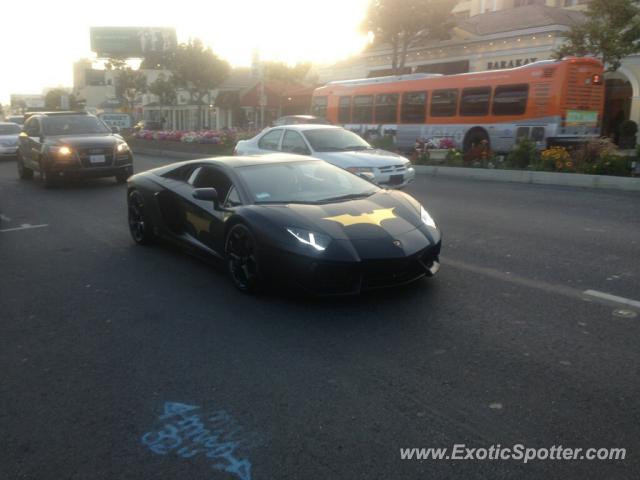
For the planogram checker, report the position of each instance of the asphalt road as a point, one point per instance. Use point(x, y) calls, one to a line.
point(97, 335)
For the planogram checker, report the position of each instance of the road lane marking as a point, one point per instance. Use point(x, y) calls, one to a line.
point(24, 226)
point(592, 295)
point(612, 298)
point(4, 218)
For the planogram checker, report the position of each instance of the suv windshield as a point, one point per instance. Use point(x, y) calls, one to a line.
point(9, 129)
point(303, 182)
point(335, 140)
point(73, 124)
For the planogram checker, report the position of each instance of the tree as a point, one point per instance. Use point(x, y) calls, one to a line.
point(165, 89)
point(610, 32)
point(129, 84)
point(403, 23)
point(198, 70)
point(53, 100)
point(285, 73)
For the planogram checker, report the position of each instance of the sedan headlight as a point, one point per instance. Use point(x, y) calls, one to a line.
point(317, 241)
point(426, 218)
point(122, 148)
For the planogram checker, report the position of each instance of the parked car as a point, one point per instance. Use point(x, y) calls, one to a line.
point(9, 139)
point(19, 119)
point(286, 218)
point(335, 145)
point(299, 120)
point(71, 144)
point(147, 125)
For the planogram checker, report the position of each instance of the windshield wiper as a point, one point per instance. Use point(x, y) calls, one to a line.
point(348, 196)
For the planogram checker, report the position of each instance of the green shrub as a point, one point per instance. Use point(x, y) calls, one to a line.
point(628, 128)
point(523, 155)
point(454, 158)
point(610, 164)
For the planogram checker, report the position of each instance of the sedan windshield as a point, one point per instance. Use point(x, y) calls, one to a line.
point(9, 129)
point(303, 182)
point(335, 140)
point(74, 125)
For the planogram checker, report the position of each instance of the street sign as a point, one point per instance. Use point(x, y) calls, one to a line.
point(121, 120)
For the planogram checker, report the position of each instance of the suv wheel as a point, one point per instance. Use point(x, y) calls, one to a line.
point(123, 175)
point(49, 179)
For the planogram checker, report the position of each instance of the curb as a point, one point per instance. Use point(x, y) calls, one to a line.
point(538, 178)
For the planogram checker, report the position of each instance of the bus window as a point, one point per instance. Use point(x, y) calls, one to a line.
point(522, 132)
point(537, 134)
point(444, 103)
point(510, 99)
point(386, 109)
point(475, 101)
point(414, 107)
point(363, 109)
point(344, 110)
point(319, 107)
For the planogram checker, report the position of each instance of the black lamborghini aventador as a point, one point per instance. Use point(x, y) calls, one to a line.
point(283, 217)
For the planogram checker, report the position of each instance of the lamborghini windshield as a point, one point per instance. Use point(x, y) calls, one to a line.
point(303, 182)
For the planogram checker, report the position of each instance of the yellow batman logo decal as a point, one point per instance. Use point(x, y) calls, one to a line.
point(374, 218)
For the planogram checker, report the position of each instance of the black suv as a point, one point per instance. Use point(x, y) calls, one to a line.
point(71, 144)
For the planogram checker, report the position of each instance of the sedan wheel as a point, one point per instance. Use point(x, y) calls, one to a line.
point(242, 260)
point(140, 228)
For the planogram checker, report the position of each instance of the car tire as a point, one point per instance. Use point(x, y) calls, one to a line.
point(24, 172)
point(140, 226)
point(123, 175)
point(48, 179)
point(241, 257)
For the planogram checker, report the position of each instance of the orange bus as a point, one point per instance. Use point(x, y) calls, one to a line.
point(551, 102)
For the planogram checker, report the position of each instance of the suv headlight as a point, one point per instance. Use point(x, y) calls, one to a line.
point(61, 151)
point(317, 241)
point(426, 218)
point(122, 148)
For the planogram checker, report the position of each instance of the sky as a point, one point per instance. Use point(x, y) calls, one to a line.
point(40, 42)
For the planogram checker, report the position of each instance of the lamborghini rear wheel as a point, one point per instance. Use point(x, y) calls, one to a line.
point(242, 258)
point(139, 224)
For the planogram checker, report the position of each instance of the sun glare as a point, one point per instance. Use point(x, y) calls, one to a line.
point(284, 30)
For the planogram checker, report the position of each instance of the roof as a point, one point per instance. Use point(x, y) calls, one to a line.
point(521, 18)
point(307, 126)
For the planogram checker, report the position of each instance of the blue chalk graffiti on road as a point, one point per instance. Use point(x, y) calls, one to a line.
point(183, 433)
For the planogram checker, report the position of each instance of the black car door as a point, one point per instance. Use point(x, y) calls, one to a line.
point(202, 221)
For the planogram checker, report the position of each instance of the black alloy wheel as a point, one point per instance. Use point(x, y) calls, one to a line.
point(242, 259)
point(139, 226)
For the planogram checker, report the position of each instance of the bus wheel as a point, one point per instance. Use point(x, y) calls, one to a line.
point(475, 138)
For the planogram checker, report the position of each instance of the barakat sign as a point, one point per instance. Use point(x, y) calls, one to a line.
point(518, 62)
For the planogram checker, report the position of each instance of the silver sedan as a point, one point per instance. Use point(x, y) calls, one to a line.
point(9, 139)
point(334, 145)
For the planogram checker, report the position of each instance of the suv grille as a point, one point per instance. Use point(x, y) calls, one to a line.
point(85, 155)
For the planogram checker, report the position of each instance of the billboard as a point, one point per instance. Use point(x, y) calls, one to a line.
point(128, 42)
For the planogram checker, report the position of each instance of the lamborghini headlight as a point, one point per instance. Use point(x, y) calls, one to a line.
point(426, 218)
point(317, 241)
